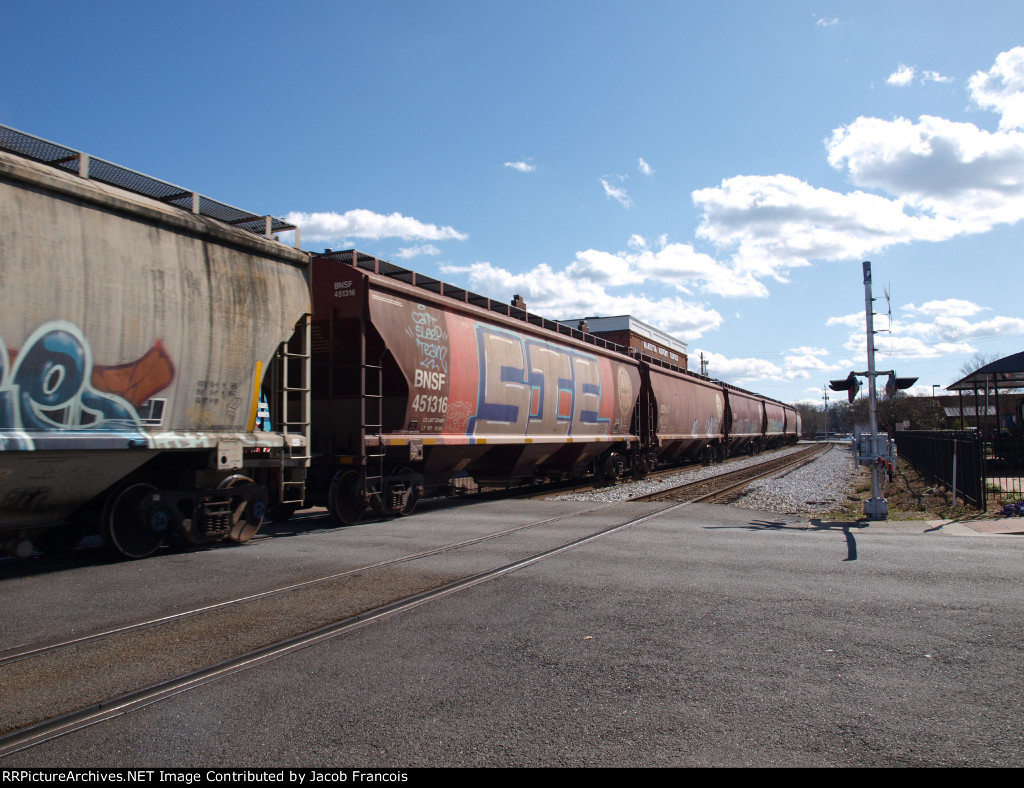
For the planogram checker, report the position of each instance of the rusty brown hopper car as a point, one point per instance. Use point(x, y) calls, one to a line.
point(775, 424)
point(415, 382)
point(792, 428)
point(745, 421)
point(682, 414)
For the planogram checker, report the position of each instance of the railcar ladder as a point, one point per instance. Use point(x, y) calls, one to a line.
point(294, 406)
point(372, 433)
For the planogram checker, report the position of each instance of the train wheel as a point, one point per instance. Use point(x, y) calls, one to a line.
point(414, 495)
point(246, 515)
point(347, 497)
point(131, 528)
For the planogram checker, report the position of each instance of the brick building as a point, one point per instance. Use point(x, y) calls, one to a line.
point(628, 331)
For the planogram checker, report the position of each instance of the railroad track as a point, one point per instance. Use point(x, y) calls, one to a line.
point(54, 688)
point(731, 482)
point(60, 686)
point(556, 490)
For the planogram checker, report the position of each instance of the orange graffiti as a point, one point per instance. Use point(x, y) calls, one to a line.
point(137, 380)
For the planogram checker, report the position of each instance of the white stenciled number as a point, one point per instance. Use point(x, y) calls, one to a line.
point(430, 403)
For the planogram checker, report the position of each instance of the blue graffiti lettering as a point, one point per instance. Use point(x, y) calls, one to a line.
point(46, 395)
point(514, 372)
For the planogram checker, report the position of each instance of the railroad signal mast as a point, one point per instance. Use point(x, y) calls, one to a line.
point(873, 449)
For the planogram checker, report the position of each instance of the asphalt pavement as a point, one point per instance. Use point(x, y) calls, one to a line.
point(712, 636)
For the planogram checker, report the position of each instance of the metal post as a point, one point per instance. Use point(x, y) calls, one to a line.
point(877, 508)
point(956, 444)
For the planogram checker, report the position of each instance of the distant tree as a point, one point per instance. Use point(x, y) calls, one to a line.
point(979, 360)
point(976, 362)
point(841, 417)
point(812, 419)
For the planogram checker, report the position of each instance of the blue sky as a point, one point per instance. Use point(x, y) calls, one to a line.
point(719, 170)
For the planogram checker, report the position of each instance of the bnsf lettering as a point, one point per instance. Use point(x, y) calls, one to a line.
point(344, 289)
point(426, 379)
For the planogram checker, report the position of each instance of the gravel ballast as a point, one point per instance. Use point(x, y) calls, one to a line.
point(820, 486)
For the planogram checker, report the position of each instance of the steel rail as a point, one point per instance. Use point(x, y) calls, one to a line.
point(37, 733)
point(38, 649)
point(737, 479)
point(588, 485)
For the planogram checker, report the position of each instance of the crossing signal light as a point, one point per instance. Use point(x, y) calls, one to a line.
point(894, 384)
point(849, 384)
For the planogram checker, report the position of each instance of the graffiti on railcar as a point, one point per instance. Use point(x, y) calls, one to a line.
point(530, 386)
point(52, 396)
point(713, 426)
point(431, 339)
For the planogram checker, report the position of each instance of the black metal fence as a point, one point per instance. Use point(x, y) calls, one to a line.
point(932, 454)
point(1004, 473)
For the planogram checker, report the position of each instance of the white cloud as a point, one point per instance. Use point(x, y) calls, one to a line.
point(941, 331)
point(935, 76)
point(617, 192)
point(673, 264)
point(645, 168)
point(738, 370)
point(410, 252)
point(804, 362)
point(798, 364)
point(956, 329)
point(968, 179)
point(361, 223)
point(902, 76)
point(581, 291)
point(897, 347)
point(602, 267)
point(941, 179)
point(950, 306)
point(778, 222)
point(521, 166)
point(681, 266)
point(1001, 88)
point(827, 22)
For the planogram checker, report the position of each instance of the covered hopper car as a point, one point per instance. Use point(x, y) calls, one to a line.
point(137, 330)
point(168, 366)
